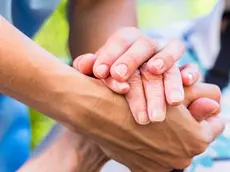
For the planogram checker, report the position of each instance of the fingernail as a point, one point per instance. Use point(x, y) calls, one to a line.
point(77, 64)
point(158, 64)
point(123, 85)
point(121, 70)
point(190, 78)
point(142, 118)
point(102, 70)
point(157, 116)
point(217, 106)
point(176, 97)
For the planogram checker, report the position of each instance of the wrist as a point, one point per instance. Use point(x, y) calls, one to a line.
point(87, 157)
point(35, 77)
point(57, 156)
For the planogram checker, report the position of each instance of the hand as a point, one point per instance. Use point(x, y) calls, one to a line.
point(157, 147)
point(85, 105)
point(146, 100)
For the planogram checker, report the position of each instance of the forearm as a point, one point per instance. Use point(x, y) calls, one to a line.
point(37, 78)
point(93, 21)
point(59, 156)
point(68, 152)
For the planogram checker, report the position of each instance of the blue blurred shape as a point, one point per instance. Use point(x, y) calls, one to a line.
point(15, 134)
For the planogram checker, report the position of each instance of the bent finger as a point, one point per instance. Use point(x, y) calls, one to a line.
point(166, 58)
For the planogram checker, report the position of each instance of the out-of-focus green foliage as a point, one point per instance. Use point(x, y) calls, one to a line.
point(163, 12)
point(54, 33)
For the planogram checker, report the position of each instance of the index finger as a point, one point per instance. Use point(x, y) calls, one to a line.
point(113, 49)
point(166, 58)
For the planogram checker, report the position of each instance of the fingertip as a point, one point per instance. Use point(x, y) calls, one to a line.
point(117, 87)
point(156, 66)
point(101, 71)
point(157, 115)
point(142, 118)
point(84, 63)
point(175, 98)
point(188, 78)
point(123, 87)
point(190, 74)
point(120, 72)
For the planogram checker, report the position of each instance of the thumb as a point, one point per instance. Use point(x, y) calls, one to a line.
point(209, 108)
point(201, 90)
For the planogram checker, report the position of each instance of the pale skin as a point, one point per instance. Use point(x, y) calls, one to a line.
point(150, 99)
point(85, 105)
point(91, 24)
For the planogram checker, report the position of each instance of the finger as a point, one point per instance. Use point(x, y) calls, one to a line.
point(217, 125)
point(136, 99)
point(200, 90)
point(113, 49)
point(212, 128)
point(174, 90)
point(209, 108)
point(118, 87)
point(163, 60)
point(135, 56)
point(84, 63)
point(190, 74)
point(154, 93)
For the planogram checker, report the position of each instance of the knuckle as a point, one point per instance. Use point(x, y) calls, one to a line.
point(127, 35)
point(216, 92)
point(169, 56)
point(182, 164)
point(148, 43)
point(122, 40)
point(103, 54)
point(141, 51)
point(172, 73)
point(135, 79)
point(198, 145)
point(135, 60)
point(178, 44)
point(155, 44)
point(201, 148)
point(154, 79)
point(198, 149)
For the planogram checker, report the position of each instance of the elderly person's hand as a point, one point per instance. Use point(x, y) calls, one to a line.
point(117, 63)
